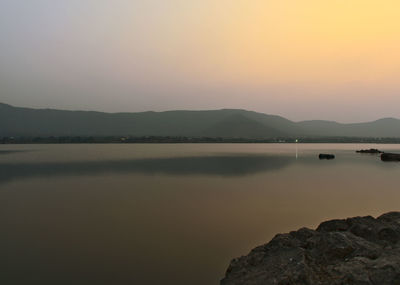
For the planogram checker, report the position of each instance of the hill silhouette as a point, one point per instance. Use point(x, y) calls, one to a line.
point(225, 123)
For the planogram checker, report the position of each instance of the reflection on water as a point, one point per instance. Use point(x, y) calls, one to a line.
point(211, 165)
point(170, 214)
point(3, 152)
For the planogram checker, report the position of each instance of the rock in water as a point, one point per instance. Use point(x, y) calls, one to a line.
point(371, 150)
point(326, 156)
point(390, 157)
point(359, 251)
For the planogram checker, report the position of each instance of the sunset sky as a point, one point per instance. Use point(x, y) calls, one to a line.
point(301, 59)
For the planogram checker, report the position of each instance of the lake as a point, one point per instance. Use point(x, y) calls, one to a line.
point(171, 213)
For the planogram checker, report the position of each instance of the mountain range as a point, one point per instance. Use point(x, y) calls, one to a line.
point(225, 123)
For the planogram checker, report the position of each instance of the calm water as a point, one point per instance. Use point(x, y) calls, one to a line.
point(171, 213)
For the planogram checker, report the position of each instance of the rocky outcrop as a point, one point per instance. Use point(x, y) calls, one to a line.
point(360, 251)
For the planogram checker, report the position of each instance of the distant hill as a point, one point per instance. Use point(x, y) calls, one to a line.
point(16, 121)
point(387, 127)
point(225, 123)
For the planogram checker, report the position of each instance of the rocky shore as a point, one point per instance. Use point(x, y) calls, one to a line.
point(360, 251)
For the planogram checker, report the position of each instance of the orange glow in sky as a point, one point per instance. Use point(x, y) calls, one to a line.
point(287, 57)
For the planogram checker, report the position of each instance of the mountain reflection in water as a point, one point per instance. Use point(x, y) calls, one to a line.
point(208, 165)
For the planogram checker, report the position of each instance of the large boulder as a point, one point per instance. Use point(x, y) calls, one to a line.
point(360, 250)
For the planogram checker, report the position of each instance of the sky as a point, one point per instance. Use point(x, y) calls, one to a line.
point(301, 59)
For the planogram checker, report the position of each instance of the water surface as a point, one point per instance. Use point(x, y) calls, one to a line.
point(171, 213)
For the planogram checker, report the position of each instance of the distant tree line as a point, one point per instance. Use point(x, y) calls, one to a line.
point(182, 139)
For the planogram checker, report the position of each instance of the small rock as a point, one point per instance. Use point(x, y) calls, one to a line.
point(326, 156)
point(371, 150)
point(390, 157)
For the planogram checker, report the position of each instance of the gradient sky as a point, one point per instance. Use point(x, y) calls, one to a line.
point(302, 59)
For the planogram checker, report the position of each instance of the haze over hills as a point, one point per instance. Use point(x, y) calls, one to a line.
point(225, 123)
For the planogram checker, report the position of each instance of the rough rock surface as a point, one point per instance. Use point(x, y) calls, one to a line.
point(360, 250)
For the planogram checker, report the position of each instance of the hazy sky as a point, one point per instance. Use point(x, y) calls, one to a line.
point(302, 59)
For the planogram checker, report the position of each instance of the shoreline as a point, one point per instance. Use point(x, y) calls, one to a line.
point(358, 250)
point(179, 139)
